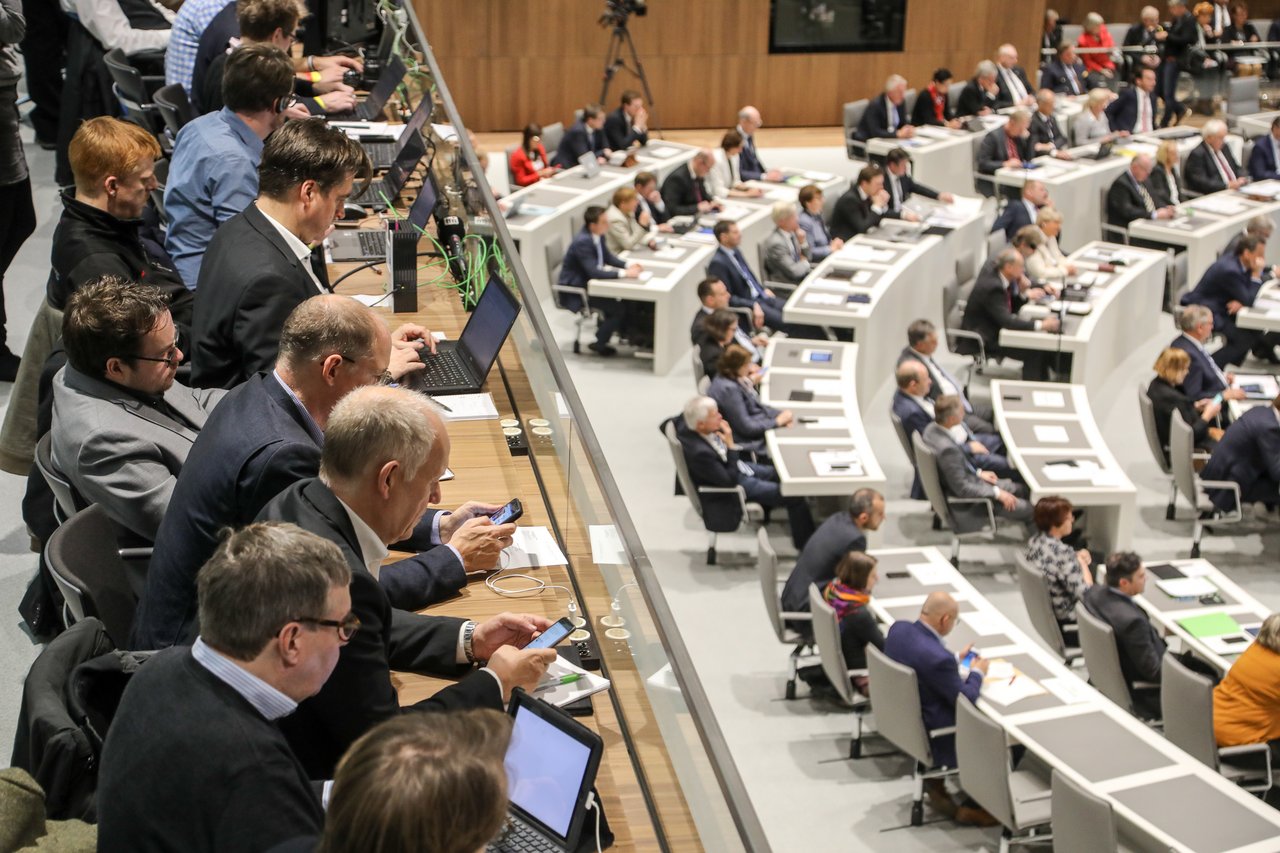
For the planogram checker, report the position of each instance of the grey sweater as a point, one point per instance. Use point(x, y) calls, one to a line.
point(13, 26)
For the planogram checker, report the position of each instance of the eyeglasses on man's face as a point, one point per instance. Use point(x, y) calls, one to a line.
point(347, 626)
point(383, 378)
point(171, 356)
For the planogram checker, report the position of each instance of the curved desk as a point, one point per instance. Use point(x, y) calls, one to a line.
point(941, 158)
point(1076, 188)
point(1256, 124)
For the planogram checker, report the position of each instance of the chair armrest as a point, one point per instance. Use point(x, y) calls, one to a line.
point(853, 672)
point(1199, 454)
point(797, 617)
point(1243, 749)
point(134, 553)
point(987, 503)
point(972, 336)
point(724, 490)
point(1230, 485)
point(945, 730)
point(1145, 685)
point(784, 286)
point(1032, 798)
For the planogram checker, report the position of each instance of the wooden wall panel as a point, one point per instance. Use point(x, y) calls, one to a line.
point(508, 62)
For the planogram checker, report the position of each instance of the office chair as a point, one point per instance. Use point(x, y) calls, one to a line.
point(770, 583)
point(944, 505)
point(92, 572)
point(1082, 821)
point(1102, 659)
point(1158, 451)
point(553, 255)
point(851, 117)
point(826, 634)
point(1181, 456)
point(1035, 595)
point(749, 510)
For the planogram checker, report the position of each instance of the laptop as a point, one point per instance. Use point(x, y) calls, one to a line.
point(590, 165)
point(364, 244)
point(380, 190)
point(1104, 150)
point(461, 366)
point(370, 109)
point(383, 154)
point(551, 765)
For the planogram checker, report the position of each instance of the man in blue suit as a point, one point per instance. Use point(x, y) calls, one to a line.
point(745, 290)
point(583, 136)
point(1264, 162)
point(841, 533)
point(920, 646)
point(1232, 283)
point(1205, 379)
point(1134, 110)
point(886, 116)
point(1248, 454)
point(589, 258)
point(749, 165)
point(1023, 211)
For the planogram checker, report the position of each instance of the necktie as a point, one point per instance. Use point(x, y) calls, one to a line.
point(1014, 85)
point(697, 189)
point(795, 247)
point(1224, 167)
point(1008, 294)
point(1012, 148)
point(893, 115)
point(599, 254)
point(1146, 196)
point(1071, 77)
point(746, 273)
point(897, 191)
point(1144, 113)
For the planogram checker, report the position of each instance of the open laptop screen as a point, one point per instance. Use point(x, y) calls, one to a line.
point(489, 325)
point(390, 77)
point(546, 770)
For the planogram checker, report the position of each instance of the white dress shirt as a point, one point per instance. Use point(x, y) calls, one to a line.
point(300, 249)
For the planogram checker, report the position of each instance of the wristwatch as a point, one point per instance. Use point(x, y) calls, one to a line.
point(468, 632)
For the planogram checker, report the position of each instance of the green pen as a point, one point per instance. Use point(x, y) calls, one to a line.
point(556, 682)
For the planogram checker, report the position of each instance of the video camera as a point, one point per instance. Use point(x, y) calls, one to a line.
point(616, 12)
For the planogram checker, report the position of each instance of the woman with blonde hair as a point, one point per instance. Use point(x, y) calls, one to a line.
point(1167, 396)
point(1165, 182)
point(1047, 262)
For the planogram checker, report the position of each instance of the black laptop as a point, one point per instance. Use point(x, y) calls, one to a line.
point(383, 154)
point(551, 766)
point(364, 244)
point(370, 109)
point(461, 366)
point(381, 191)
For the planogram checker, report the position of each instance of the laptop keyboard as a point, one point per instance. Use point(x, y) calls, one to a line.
point(373, 194)
point(443, 370)
point(380, 152)
point(518, 836)
point(372, 243)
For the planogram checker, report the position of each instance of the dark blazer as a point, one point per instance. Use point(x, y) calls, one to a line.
point(974, 99)
point(1167, 399)
point(721, 513)
point(908, 187)
point(749, 165)
point(1262, 162)
point(1139, 36)
point(991, 307)
point(1124, 201)
point(1202, 379)
point(659, 215)
point(581, 265)
point(1005, 98)
point(994, 150)
point(256, 443)
point(923, 112)
point(1140, 645)
point(914, 419)
point(1054, 76)
point(938, 677)
point(709, 352)
point(249, 283)
point(681, 192)
point(875, 120)
point(1122, 113)
point(1225, 280)
point(240, 787)
point(1014, 216)
point(1248, 454)
point(359, 694)
point(1201, 173)
point(578, 140)
point(834, 538)
point(1046, 130)
point(748, 417)
point(853, 215)
point(1232, 33)
point(1161, 185)
point(1182, 35)
point(1050, 40)
point(619, 134)
point(741, 292)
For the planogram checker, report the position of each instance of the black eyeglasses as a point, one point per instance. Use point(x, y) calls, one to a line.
point(347, 627)
point(170, 356)
point(384, 378)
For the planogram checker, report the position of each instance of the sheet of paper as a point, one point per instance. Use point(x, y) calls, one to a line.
point(836, 463)
point(983, 622)
point(1268, 188)
point(1057, 472)
point(1000, 670)
point(1048, 399)
point(370, 300)
point(1220, 205)
point(819, 297)
point(446, 132)
point(1011, 691)
point(931, 574)
point(1105, 478)
point(606, 545)
point(563, 694)
point(368, 129)
point(530, 548)
point(859, 252)
point(932, 132)
point(468, 407)
point(816, 176)
point(669, 253)
point(1197, 569)
point(662, 152)
point(1186, 587)
point(1068, 688)
point(1051, 433)
point(825, 387)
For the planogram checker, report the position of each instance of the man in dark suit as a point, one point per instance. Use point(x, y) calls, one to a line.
point(999, 292)
point(1249, 455)
point(841, 533)
point(1210, 166)
point(1205, 379)
point(922, 343)
point(961, 475)
point(628, 125)
point(385, 450)
point(1022, 212)
point(862, 206)
point(1050, 34)
point(900, 185)
point(714, 295)
point(1005, 146)
point(583, 136)
point(275, 612)
point(266, 435)
point(1128, 198)
point(1148, 34)
point(1045, 132)
point(886, 117)
point(1264, 162)
point(920, 645)
point(1065, 74)
point(1135, 108)
point(652, 207)
point(713, 460)
point(1231, 283)
point(1183, 33)
point(1015, 88)
point(745, 289)
point(259, 265)
point(588, 258)
point(981, 95)
point(749, 165)
point(686, 192)
point(1140, 645)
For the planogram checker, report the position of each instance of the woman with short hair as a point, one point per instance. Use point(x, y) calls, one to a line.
point(1065, 569)
point(1167, 397)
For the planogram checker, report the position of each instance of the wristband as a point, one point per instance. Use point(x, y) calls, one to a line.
point(315, 76)
point(468, 632)
point(311, 63)
point(320, 101)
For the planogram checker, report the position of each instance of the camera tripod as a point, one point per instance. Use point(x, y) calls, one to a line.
point(614, 59)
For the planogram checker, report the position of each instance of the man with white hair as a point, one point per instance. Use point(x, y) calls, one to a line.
point(1015, 88)
point(749, 164)
point(1210, 166)
point(786, 251)
point(713, 460)
point(1128, 198)
point(686, 191)
point(981, 95)
point(886, 116)
point(1046, 134)
point(1148, 35)
point(1005, 146)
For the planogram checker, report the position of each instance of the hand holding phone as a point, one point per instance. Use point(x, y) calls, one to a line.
point(509, 513)
point(553, 635)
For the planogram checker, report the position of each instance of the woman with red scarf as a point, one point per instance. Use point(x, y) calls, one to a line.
point(1100, 69)
point(848, 594)
point(933, 107)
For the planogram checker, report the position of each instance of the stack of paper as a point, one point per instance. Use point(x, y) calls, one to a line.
point(1269, 189)
point(1080, 469)
point(469, 407)
point(564, 694)
point(1221, 205)
point(836, 463)
point(1186, 587)
point(1006, 692)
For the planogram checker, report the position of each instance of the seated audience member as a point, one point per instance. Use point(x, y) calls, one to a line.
point(745, 290)
point(260, 264)
point(214, 171)
point(1140, 645)
point(733, 388)
point(1165, 182)
point(1210, 166)
point(625, 231)
point(1050, 33)
point(588, 258)
point(725, 177)
point(274, 613)
point(842, 532)
point(1065, 73)
point(1015, 88)
point(886, 116)
point(652, 207)
point(1239, 31)
point(1047, 136)
point(687, 191)
point(981, 94)
point(1231, 283)
point(1005, 146)
point(999, 292)
point(1200, 59)
point(384, 452)
point(922, 343)
point(1246, 703)
point(1093, 124)
point(1204, 379)
point(1022, 212)
point(1264, 162)
point(100, 229)
point(1248, 454)
point(816, 233)
point(713, 459)
point(920, 645)
point(1148, 34)
point(1047, 263)
point(1099, 68)
point(397, 789)
point(752, 168)
point(1134, 110)
point(122, 427)
point(189, 24)
point(713, 294)
point(848, 593)
point(901, 186)
point(265, 435)
point(786, 251)
point(1065, 569)
point(720, 331)
point(1260, 227)
point(933, 107)
point(628, 125)
point(1168, 395)
point(961, 478)
point(1128, 197)
point(585, 136)
point(862, 206)
point(529, 163)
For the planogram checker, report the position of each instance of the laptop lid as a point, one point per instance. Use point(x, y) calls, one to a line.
point(590, 165)
point(387, 82)
point(551, 764)
point(423, 206)
point(412, 149)
point(488, 326)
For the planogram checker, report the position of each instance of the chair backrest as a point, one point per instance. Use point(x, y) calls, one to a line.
point(1082, 821)
point(1102, 657)
point(931, 481)
point(1071, 33)
point(909, 102)
point(903, 438)
point(1186, 704)
point(704, 382)
point(953, 95)
point(895, 694)
point(966, 267)
point(511, 175)
point(1182, 445)
point(1242, 95)
point(1148, 411)
point(1039, 604)
point(65, 504)
point(682, 468)
point(952, 314)
point(995, 242)
point(128, 79)
point(553, 255)
point(826, 634)
point(84, 550)
point(767, 565)
point(174, 106)
point(852, 115)
point(551, 136)
point(699, 372)
point(983, 759)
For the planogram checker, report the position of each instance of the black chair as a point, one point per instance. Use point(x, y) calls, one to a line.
point(135, 93)
point(175, 108)
point(94, 572)
point(161, 171)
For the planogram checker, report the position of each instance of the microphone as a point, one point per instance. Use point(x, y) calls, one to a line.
point(452, 230)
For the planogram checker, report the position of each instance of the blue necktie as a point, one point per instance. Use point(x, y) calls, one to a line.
point(599, 253)
point(746, 273)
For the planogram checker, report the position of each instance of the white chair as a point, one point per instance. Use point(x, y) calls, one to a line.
point(852, 115)
point(553, 254)
point(943, 505)
point(1102, 659)
point(551, 136)
point(1082, 821)
point(1181, 456)
point(1035, 595)
point(1158, 451)
point(1114, 233)
point(801, 646)
point(826, 634)
point(751, 510)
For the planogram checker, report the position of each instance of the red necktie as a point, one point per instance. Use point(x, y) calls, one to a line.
point(1013, 149)
point(1226, 167)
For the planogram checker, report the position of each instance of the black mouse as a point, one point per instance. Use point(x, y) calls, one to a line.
point(353, 212)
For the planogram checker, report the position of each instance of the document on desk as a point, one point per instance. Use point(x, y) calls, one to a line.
point(931, 574)
point(369, 300)
point(469, 407)
point(1221, 205)
point(836, 463)
point(859, 252)
point(1048, 399)
point(930, 132)
point(1069, 689)
point(1070, 471)
point(825, 387)
point(1269, 188)
point(984, 623)
point(1186, 587)
point(817, 176)
point(1008, 691)
point(1210, 625)
point(1051, 434)
point(662, 152)
point(531, 548)
point(564, 694)
point(820, 297)
point(368, 129)
point(823, 422)
point(606, 545)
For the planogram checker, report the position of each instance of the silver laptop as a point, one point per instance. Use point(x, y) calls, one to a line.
point(364, 244)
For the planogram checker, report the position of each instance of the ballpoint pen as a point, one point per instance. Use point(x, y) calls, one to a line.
point(556, 682)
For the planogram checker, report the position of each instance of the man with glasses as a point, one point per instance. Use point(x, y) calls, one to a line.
point(213, 173)
point(195, 759)
point(385, 450)
point(121, 425)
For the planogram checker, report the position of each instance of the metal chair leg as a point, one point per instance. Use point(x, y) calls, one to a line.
point(711, 551)
point(917, 797)
point(1170, 512)
point(1196, 533)
point(955, 551)
point(855, 746)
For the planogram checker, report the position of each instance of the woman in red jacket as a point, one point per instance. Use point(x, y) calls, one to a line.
point(529, 163)
point(1100, 68)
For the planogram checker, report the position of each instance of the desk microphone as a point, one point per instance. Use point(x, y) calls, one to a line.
point(451, 230)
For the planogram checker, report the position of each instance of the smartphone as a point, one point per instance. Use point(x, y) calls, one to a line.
point(967, 661)
point(1217, 398)
point(508, 513)
point(552, 635)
